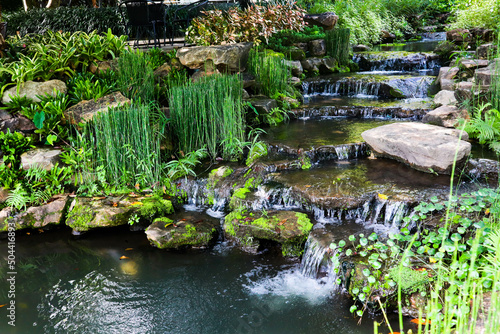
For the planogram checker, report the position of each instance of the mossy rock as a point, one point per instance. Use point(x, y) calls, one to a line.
point(166, 233)
point(218, 174)
point(288, 228)
point(88, 213)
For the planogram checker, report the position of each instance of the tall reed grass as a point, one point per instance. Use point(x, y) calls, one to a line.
point(271, 72)
point(127, 144)
point(337, 45)
point(209, 113)
point(135, 76)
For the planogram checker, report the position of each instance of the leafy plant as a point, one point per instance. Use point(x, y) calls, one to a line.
point(12, 145)
point(135, 76)
point(337, 45)
point(271, 72)
point(254, 24)
point(485, 126)
point(86, 86)
point(184, 166)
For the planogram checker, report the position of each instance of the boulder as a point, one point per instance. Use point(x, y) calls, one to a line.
point(317, 48)
point(17, 124)
point(424, 147)
point(446, 116)
point(88, 213)
point(446, 76)
point(320, 65)
point(192, 231)
point(263, 105)
point(361, 48)
point(311, 65)
point(227, 58)
point(31, 89)
point(486, 51)
point(469, 65)
point(458, 36)
point(103, 66)
point(39, 216)
point(295, 53)
point(325, 20)
point(387, 37)
point(296, 67)
point(163, 70)
point(466, 91)
point(45, 158)
point(445, 98)
point(3, 195)
point(482, 76)
point(288, 228)
point(84, 111)
point(482, 34)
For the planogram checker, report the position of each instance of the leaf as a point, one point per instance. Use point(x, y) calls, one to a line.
point(382, 196)
point(128, 249)
point(123, 257)
point(3, 305)
point(51, 139)
point(38, 119)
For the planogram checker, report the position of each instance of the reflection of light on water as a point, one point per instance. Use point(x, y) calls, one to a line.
point(289, 283)
point(129, 268)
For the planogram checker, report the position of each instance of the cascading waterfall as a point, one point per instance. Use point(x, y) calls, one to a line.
point(313, 257)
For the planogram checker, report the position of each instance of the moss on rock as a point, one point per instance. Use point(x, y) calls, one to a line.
point(288, 228)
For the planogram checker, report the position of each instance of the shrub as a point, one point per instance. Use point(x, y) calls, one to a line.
point(67, 19)
point(483, 13)
point(254, 24)
point(209, 113)
point(282, 40)
point(337, 45)
point(271, 72)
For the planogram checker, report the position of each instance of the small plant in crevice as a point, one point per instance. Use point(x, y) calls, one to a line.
point(484, 125)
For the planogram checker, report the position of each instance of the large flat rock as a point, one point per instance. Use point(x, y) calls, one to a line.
point(30, 90)
point(230, 57)
point(425, 147)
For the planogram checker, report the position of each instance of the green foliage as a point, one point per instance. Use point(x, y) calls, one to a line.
point(257, 148)
point(157, 57)
point(17, 104)
point(185, 165)
point(68, 19)
point(208, 113)
point(12, 145)
point(127, 144)
point(135, 76)
point(485, 126)
point(86, 86)
point(337, 45)
point(282, 40)
point(254, 24)
point(477, 13)
point(271, 72)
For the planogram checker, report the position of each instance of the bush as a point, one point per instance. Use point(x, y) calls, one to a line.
point(254, 24)
point(337, 45)
point(282, 40)
point(483, 13)
point(67, 19)
point(135, 76)
point(271, 72)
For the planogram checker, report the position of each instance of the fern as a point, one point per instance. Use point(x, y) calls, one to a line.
point(485, 126)
point(18, 198)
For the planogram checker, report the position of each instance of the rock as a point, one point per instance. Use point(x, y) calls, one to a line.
point(458, 36)
point(484, 170)
point(446, 116)
point(325, 20)
point(296, 67)
point(317, 48)
point(192, 231)
point(319, 65)
point(482, 76)
point(294, 81)
point(303, 46)
point(45, 158)
point(288, 228)
point(446, 76)
point(424, 147)
point(482, 34)
point(163, 70)
point(39, 216)
point(387, 37)
point(445, 49)
point(3, 195)
point(5, 217)
point(103, 66)
point(17, 124)
point(248, 80)
point(295, 53)
point(88, 213)
point(445, 98)
point(263, 105)
point(218, 174)
point(466, 91)
point(328, 65)
point(486, 51)
point(311, 65)
point(227, 58)
point(84, 111)
point(361, 48)
point(245, 94)
point(470, 65)
point(31, 89)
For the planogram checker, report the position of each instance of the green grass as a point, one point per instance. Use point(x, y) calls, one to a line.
point(271, 72)
point(135, 76)
point(209, 113)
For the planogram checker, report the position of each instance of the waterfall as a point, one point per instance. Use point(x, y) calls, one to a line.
point(314, 255)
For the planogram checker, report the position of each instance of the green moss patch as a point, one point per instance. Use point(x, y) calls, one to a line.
point(166, 233)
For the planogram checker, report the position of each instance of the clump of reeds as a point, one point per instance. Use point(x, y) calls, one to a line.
point(135, 76)
point(209, 113)
point(337, 45)
point(271, 72)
